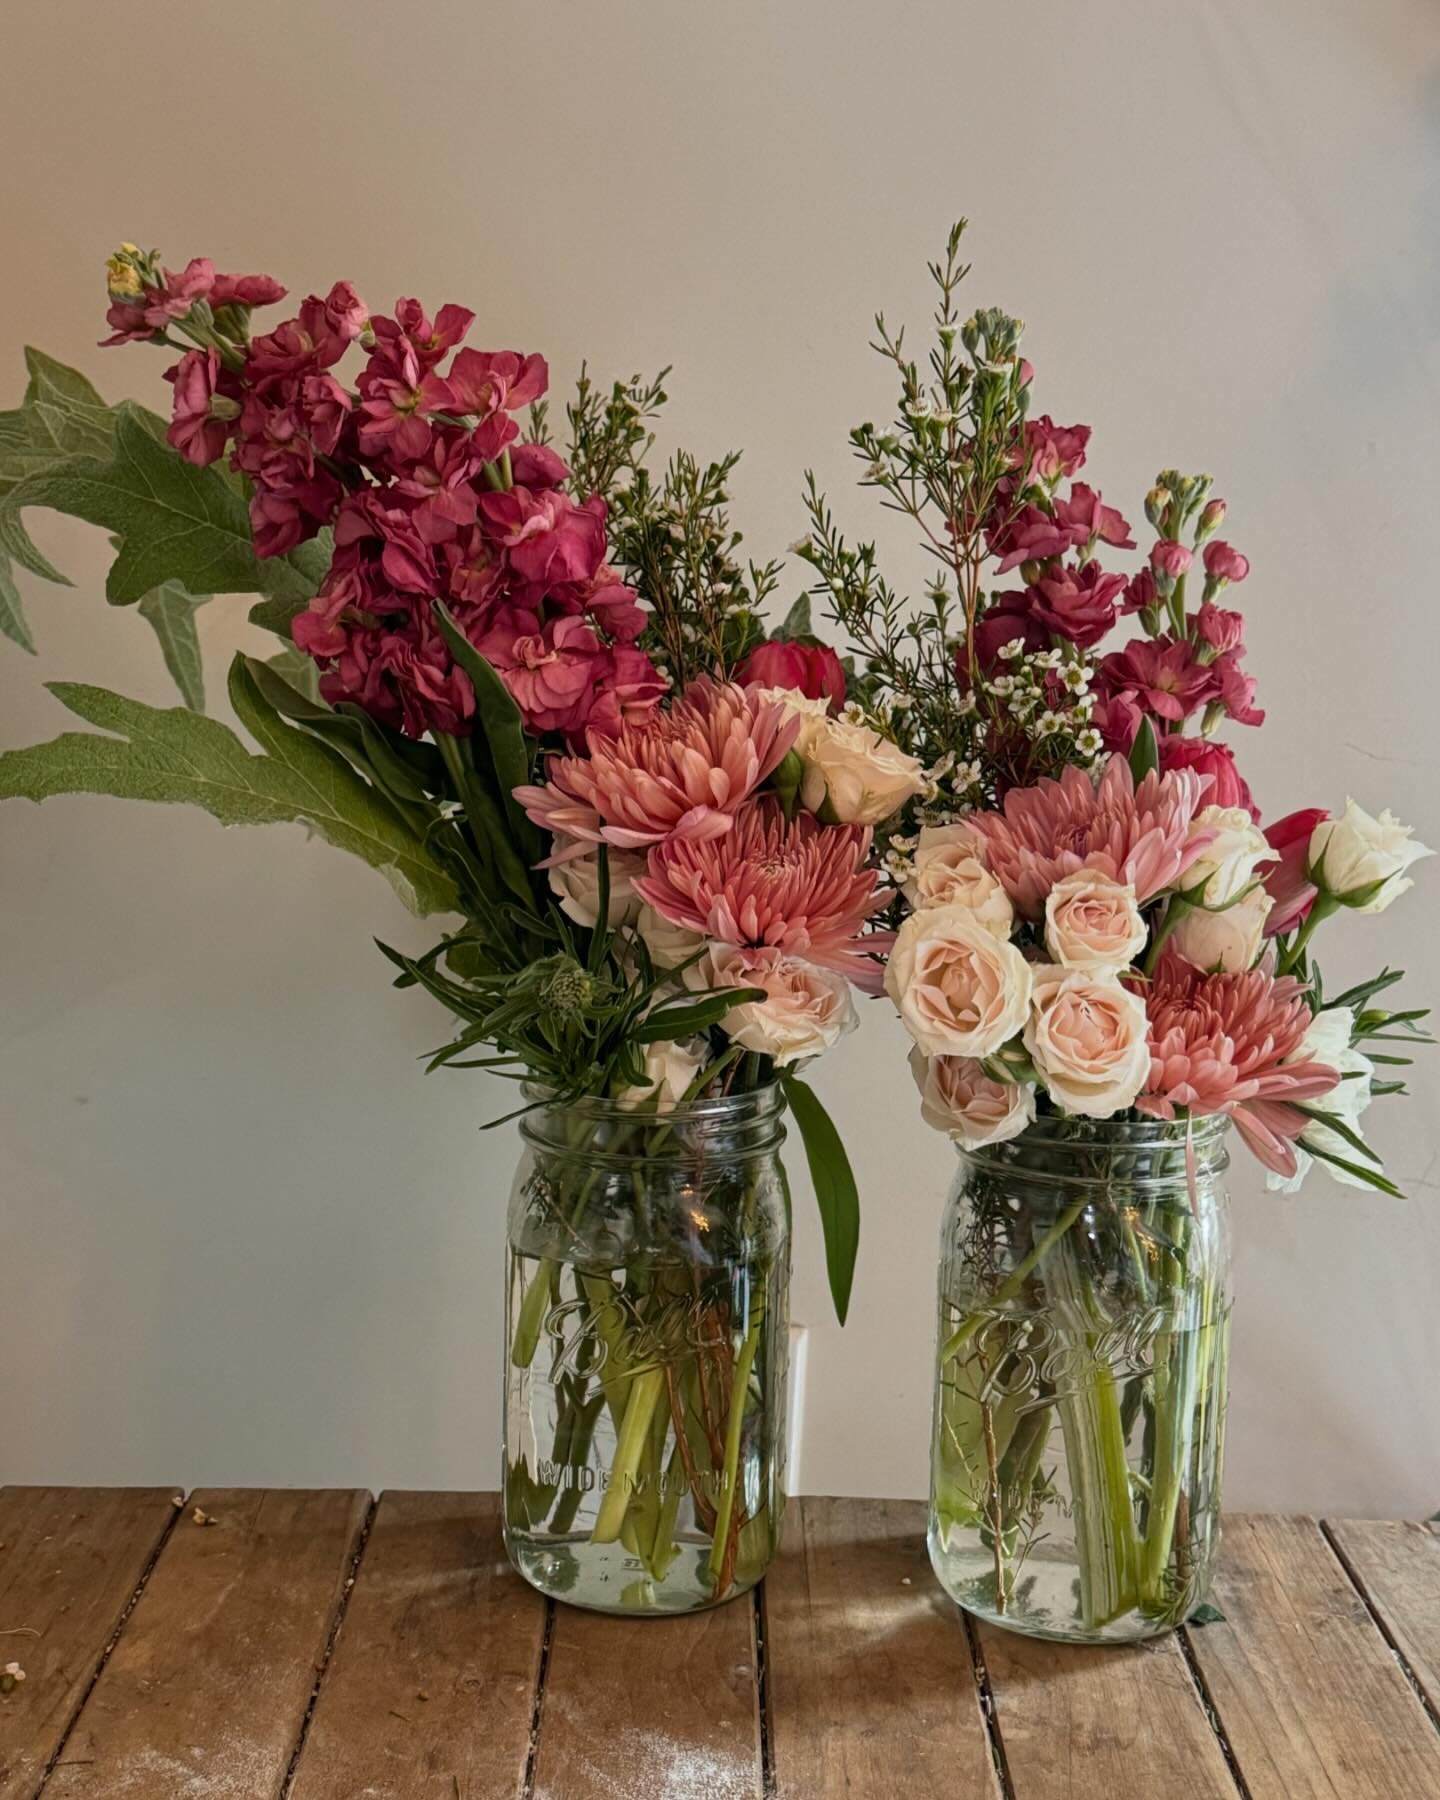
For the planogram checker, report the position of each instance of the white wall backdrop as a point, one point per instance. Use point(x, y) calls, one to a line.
point(242, 1238)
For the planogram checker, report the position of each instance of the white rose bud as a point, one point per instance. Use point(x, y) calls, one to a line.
point(576, 884)
point(1226, 942)
point(1229, 863)
point(670, 1070)
point(669, 945)
point(1360, 861)
point(1092, 922)
point(960, 990)
point(960, 1099)
point(805, 1010)
point(1089, 1039)
point(948, 869)
point(863, 776)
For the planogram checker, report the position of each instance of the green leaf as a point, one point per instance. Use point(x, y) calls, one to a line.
point(1206, 1614)
point(13, 623)
point(176, 522)
point(797, 622)
point(297, 670)
point(1368, 1176)
point(504, 731)
point(170, 613)
point(685, 1020)
point(68, 410)
point(175, 755)
point(834, 1184)
point(1144, 752)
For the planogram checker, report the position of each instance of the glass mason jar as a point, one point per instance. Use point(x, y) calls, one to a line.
point(1080, 1394)
point(647, 1337)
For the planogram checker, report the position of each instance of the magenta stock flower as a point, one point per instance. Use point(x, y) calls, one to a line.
point(1078, 604)
point(1169, 560)
point(1053, 450)
point(1030, 537)
point(1141, 835)
point(1222, 1044)
point(681, 773)
point(1162, 676)
point(245, 290)
point(194, 430)
point(1089, 520)
point(1236, 690)
point(483, 382)
point(1219, 629)
point(1222, 564)
point(796, 886)
point(549, 538)
point(1141, 594)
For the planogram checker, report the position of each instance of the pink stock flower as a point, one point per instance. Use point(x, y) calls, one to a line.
point(341, 314)
point(245, 290)
point(1008, 618)
point(1117, 718)
point(1169, 560)
point(1222, 564)
point(1078, 604)
point(681, 773)
point(487, 381)
point(194, 430)
point(551, 670)
point(326, 408)
point(1089, 520)
point(613, 606)
point(1162, 676)
point(549, 537)
point(811, 669)
point(536, 466)
point(411, 332)
point(1053, 450)
point(1236, 690)
point(1031, 536)
point(136, 320)
point(1141, 594)
point(1218, 629)
point(405, 676)
point(1206, 757)
point(281, 518)
point(406, 558)
point(1047, 831)
point(629, 692)
point(797, 886)
point(1220, 1044)
point(1285, 880)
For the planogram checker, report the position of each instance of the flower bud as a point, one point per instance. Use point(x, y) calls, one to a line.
point(1156, 503)
point(223, 407)
point(124, 273)
point(1211, 519)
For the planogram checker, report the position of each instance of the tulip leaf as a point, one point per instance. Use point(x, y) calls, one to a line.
point(503, 729)
point(1144, 752)
point(178, 756)
point(175, 522)
point(835, 1191)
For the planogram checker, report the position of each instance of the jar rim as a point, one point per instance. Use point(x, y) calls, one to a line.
point(1202, 1131)
point(752, 1105)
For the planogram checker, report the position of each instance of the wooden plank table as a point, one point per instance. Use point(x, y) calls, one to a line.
point(248, 1644)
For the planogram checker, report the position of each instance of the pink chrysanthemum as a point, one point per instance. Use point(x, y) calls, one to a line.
point(1219, 1043)
point(1049, 830)
point(792, 885)
point(678, 774)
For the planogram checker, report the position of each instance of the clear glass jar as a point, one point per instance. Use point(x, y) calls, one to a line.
point(649, 1265)
point(1080, 1395)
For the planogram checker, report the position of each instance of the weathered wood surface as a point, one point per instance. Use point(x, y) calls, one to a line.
point(1312, 1700)
point(869, 1663)
point(430, 1692)
point(204, 1695)
point(305, 1646)
point(70, 1563)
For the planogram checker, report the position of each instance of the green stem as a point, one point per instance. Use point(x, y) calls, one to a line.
point(739, 1392)
point(1013, 1283)
point(645, 1392)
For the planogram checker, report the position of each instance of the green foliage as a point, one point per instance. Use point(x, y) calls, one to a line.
point(1144, 752)
point(835, 1191)
point(178, 756)
point(13, 623)
point(175, 522)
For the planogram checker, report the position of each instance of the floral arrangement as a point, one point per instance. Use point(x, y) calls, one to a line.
point(1091, 919)
point(533, 688)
